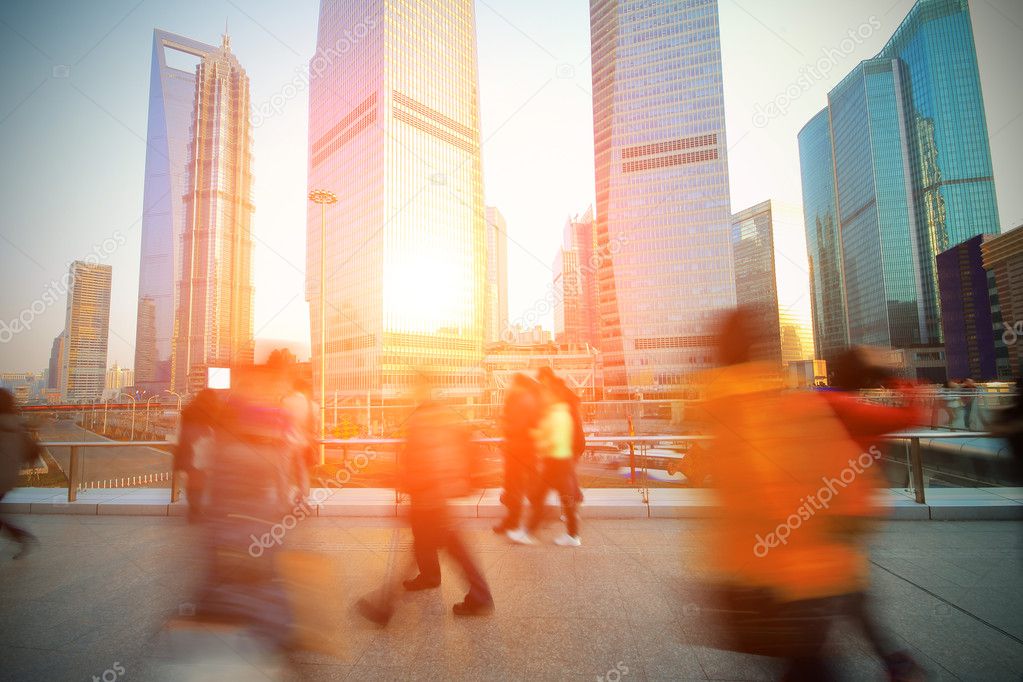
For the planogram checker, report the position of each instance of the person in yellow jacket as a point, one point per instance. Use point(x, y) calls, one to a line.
point(780, 557)
point(553, 437)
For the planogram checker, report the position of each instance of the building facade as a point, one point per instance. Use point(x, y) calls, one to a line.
point(497, 275)
point(213, 324)
point(394, 131)
point(56, 366)
point(164, 214)
point(971, 325)
point(118, 379)
point(904, 142)
point(662, 197)
point(577, 364)
point(576, 318)
point(86, 331)
point(772, 279)
point(1003, 257)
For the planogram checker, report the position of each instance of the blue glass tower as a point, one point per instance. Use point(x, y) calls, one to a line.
point(901, 153)
point(168, 139)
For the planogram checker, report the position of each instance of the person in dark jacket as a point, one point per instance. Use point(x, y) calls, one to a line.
point(521, 415)
point(16, 448)
point(433, 470)
point(198, 421)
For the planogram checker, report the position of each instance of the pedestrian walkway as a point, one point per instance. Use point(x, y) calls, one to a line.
point(99, 589)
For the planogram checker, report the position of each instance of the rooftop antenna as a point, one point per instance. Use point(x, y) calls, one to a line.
point(226, 43)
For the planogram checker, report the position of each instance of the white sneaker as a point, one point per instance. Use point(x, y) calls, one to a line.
point(566, 540)
point(520, 536)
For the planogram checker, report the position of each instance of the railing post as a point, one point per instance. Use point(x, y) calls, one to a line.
point(175, 493)
point(917, 469)
point(73, 475)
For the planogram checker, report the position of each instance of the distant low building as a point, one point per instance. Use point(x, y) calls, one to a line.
point(533, 336)
point(578, 364)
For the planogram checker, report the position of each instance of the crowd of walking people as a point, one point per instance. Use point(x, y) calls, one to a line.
point(793, 472)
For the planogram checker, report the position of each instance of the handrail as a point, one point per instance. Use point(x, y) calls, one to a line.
point(914, 437)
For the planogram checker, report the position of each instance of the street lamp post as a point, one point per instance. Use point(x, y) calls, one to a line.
point(150, 398)
point(132, 398)
point(323, 197)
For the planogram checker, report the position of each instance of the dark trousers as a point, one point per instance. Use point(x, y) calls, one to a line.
point(432, 531)
point(556, 474)
point(518, 474)
point(16, 533)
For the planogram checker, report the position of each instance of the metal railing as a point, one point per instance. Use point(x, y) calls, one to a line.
point(638, 447)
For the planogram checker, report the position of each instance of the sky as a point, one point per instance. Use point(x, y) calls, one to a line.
point(75, 84)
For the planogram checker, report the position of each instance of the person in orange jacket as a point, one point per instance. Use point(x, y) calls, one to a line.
point(855, 370)
point(779, 559)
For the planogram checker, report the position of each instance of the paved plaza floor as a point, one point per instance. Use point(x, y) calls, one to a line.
point(94, 602)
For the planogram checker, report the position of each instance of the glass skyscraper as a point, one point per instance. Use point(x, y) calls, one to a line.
point(899, 164)
point(213, 324)
point(771, 278)
point(168, 139)
point(394, 132)
point(663, 212)
point(575, 283)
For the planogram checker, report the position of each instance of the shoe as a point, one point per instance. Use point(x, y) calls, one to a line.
point(28, 545)
point(566, 540)
point(469, 607)
point(420, 583)
point(502, 528)
point(372, 612)
point(520, 536)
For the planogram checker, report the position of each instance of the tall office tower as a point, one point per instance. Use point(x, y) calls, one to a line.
point(86, 330)
point(771, 277)
point(663, 212)
point(171, 107)
point(56, 368)
point(575, 283)
point(394, 132)
point(899, 164)
point(497, 275)
point(1003, 255)
point(213, 325)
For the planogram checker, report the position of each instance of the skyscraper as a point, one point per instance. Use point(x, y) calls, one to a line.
point(1003, 256)
point(771, 277)
point(497, 275)
point(394, 132)
point(663, 213)
point(56, 368)
point(576, 318)
point(86, 330)
point(171, 107)
point(213, 325)
point(901, 157)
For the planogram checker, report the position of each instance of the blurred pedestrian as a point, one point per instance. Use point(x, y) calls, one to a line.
point(248, 508)
point(969, 397)
point(17, 448)
point(855, 370)
point(547, 377)
point(192, 453)
point(305, 450)
point(780, 566)
point(520, 416)
point(553, 438)
point(1008, 424)
point(435, 467)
